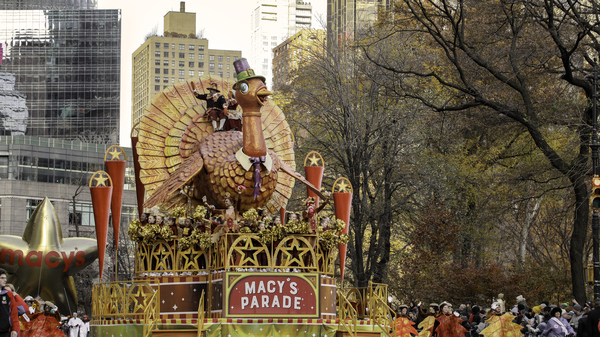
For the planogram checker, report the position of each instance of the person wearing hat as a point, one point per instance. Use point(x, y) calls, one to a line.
point(446, 324)
point(216, 105)
point(85, 328)
point(557, 326)
point(75, 324)
point(576, 316)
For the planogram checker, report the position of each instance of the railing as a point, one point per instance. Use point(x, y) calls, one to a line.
point(126, 300)
point(151, 315)
point(201, 315)
point(346, 314)
point(245, 252)
point(380, 313)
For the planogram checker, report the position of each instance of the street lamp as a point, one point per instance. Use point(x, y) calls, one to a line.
point(595, 199)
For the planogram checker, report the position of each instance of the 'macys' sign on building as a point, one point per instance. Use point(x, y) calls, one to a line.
point(272, 295)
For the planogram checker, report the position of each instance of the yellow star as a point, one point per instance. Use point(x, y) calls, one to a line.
point(295, 253)
point(314, 160)
point(342, 186)
point(115, 154)
point(42, 263)
point(100, 180)
point(242, 250)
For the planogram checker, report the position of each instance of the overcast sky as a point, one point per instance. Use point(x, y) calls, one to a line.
point(226, 25)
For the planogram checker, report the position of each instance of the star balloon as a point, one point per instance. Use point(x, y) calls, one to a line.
point(42, 263)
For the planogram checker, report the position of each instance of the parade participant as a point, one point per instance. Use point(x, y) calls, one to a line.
point(234, 117)
point(215, 104)
point(501, 303)
point(31, 304)
point(9, 317)
point(171, 223)
point(310, 214)
point(557, 326)
point(592, 320)
point(22, 307)
point(85, 329)
point(230, 213)
point(159, 220)
point(151, 219)
point(187, 226)
point(75, 325)
point(144, 218)
point(446, 324)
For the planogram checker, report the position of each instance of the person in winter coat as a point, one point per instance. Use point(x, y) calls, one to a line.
point(557, 326)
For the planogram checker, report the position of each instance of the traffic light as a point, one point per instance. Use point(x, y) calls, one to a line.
point(595, 198)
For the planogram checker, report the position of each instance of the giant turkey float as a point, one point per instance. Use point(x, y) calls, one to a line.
point(217, 254)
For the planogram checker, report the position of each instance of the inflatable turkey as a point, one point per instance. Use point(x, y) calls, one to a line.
point(181, 156)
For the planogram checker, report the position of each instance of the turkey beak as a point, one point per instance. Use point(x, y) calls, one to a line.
point(262, 94)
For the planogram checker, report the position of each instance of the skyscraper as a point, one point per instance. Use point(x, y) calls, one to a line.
point(346, 17)
point(63, 58)
point(272, 23)
point(59, 107)
point(173, 57)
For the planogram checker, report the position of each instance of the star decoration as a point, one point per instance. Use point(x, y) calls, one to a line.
point(174, 306)
point(314, 160)
point(100, 179)
point(44, 255)
point(115, 153)
point(295, 253)
point(342, 187)
point(242, 250)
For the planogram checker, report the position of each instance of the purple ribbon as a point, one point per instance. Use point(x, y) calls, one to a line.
point(256, 161)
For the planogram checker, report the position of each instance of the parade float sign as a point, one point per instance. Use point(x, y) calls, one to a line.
point(272, 295)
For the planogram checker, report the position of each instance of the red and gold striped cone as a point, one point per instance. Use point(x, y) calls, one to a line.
point(342, 204)
point(139, 187)
point(101, 192)
point(115, 167)
point(314, 173)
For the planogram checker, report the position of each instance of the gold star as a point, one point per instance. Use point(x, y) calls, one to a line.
point(42, 263)
point(242, 250)
point(314, 160)
point(342, 186)
point(100, 180)
point(295, 253)
point(115, 154)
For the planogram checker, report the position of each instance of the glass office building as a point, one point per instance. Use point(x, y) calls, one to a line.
point(60, 70)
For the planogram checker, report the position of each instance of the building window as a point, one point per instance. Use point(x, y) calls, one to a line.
point(191, 47)
point(191, 64)
point(181, 72)
point(172, 79)
point(166, 45)
point(200, 56)
point(156, 62)
point(181, 47)
point(157, 45)
point(191, 73)
point(182, 63)
point(173, 54)
point(156, 87)
point(181, 55)
point(191, 56)
point(157, 79)
point(32, 204)
point(172, 71)
point(172, 63)
point(156, 54)
point(166, 54)
point(212, 72)
point(220, 66)
point(200, 64)
point(228, 57)
point(211, 58)
point(265, 43)
point(221, 73)
point(200, 73)
point(220, 58)
point(211, 65)
point(228, 65)
point(165, 80)
point(84, 215)
point(201, 48)
point(181, 80)
point(166, 63)
point(157, 70)
point(274, 44)
point(166, 71)
point(228, 75)
point(173, 46)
